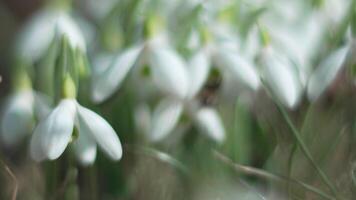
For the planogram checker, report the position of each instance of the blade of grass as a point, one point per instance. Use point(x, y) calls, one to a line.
point(267, 175)
point(303, 147)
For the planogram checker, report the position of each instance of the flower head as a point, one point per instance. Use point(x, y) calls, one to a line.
point(53, 134)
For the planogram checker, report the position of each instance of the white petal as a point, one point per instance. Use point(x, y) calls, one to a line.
point(239, 66)
point(85, 147)
point(101, 131)
point(209, 122)
point(67, 26)
point(17, 119)
point(52, 135)
point(165, 118)
point(282, 79)
point(198, 72)
point(169, 72)
point(37, 35)
point(108, 81)
point(326, 72)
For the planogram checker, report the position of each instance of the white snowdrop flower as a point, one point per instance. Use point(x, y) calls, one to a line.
point(17, 118)
point(281, 77)
point(166, 115)
point(19, 113)
point(65, 25)
point(221, 50)
point(40, 31)
point(325, 73)
point(167, 67)
point(54, 133)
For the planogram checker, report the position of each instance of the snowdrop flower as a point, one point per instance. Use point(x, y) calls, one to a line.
point(281, 77)
point(169, 110)
point(38, 34)
point(167, 67)
point(224, 54)
point(54, 133)
point(17, 118)
point(20, 111)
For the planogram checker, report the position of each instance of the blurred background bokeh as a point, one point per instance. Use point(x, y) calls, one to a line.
point(289, 136)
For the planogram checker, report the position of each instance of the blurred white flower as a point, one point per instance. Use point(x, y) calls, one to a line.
point(17, 119)
point(167, 67)
point(19, 113)
point(281, 77)
point(169, 110)
point(221, 50)
point(41, 30)
point(53, 134)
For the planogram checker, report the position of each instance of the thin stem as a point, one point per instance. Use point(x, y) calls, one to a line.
point(290, 166)
point(300, 142)
point(267, 175)
point(305, 150)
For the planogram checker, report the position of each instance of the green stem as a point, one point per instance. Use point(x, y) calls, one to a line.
point(290, 166)
point(305, 150)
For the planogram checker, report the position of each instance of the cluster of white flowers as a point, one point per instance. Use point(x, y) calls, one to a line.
point(260, 42)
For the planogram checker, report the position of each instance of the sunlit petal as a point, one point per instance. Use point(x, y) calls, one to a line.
point(108, 81)
point(52, 135)
point(101, 131)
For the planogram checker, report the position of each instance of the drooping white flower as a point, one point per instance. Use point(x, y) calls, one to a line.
point(19, 113)
point(281, 77)
point(17, 119)
point(167, 67)
point(325, 73)
point(53, 134)
point(38, 34)
point(222, 51)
